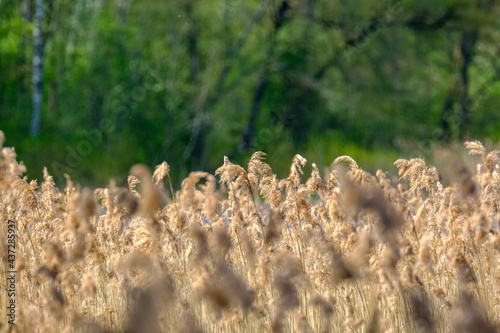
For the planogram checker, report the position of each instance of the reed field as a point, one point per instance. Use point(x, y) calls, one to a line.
point(244, 251)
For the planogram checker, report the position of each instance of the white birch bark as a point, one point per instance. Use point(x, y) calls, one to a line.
point(37, 68)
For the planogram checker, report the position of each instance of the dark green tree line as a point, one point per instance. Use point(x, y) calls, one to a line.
point(190, 81)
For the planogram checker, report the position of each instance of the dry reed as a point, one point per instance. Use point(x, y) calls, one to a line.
point(357, 252)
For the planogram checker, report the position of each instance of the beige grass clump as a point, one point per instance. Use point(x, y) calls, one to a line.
point(254, 253)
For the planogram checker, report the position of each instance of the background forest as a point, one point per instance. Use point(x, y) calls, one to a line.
point(90, 87)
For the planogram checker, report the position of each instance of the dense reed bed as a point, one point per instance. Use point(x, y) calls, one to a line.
point(248, 252)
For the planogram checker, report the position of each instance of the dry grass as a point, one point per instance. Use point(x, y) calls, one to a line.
point(351, 253)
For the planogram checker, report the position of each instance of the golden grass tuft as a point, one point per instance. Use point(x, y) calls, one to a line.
point(354, 253)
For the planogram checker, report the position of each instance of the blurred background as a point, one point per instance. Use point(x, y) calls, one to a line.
point(90, 87)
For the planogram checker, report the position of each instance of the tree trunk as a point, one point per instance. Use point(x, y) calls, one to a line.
point(37, 68)
point(279, 19)
point(254, 113)
point(467, 44)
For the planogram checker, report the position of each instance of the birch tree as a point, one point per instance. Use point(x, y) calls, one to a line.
point(37, 68)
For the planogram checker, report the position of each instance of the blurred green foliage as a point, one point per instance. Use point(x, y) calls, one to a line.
point(189, 81)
